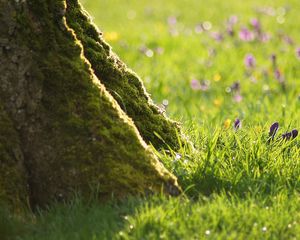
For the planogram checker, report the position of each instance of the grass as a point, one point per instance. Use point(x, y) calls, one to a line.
point(238, 185)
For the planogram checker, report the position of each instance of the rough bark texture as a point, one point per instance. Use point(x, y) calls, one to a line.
point(60, 129)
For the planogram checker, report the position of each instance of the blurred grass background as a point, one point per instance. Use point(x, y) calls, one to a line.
point(181, 53)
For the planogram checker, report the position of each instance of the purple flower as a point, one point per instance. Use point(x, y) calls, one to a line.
point(238, 98)
point(287, 136)
point(273, 129)
point(288, 40)
point(255, 24)
point(235, 87)
point(246, 35)
point(249, 61)
point(230, 31)
point(264, 37)
point(195, 84)
point(233, 20)
point(298, 53)
point(237, 124)
point(172, 20)
point(203, 85)
point(217, 36)
point(290, 135)
point(278, 76)
point(294, 133)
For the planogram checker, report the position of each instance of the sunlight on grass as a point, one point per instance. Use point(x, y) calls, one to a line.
point(227, 70)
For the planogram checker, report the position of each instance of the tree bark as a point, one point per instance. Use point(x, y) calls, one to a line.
point(61, 130)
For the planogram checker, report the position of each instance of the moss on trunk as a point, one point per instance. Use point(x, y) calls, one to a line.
point(122, 83)
point(72, 133)
point(13, 180)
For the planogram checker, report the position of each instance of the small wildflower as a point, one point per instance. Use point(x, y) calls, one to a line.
point(287, 136)
point(233, 19)
point(227, 123)
point(273, 129)
point(172, 20)
point(264, 229)
point(237, 124)
point(288, 40)
point(294, 133)
point(217, 102)
point(207, 232)
point(264, 37)
point(217, 36)
point(249, 61)
point(298, 53)
point(195, 84)
point(203, 85)
point(111, 36)
point(230, 31)
point(217, 77)
point(235, 87)
point(246, 35)
point(238, 98)
point(278, 75)
point(255, 24)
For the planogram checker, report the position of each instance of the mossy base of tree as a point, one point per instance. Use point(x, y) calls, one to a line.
point(61, 130)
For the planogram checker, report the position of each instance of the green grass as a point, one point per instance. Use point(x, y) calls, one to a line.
point(238, 185)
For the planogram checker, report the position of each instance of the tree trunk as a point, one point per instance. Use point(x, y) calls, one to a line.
point(60, 129)
point(123, 84)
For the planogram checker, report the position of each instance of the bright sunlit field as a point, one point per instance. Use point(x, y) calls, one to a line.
point(227, 70)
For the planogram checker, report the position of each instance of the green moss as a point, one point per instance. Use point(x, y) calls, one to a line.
point(76, 138)
point(123, 84)
point(13, 181)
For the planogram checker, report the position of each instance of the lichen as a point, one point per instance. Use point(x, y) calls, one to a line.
point(73, 134)
point(122, 83)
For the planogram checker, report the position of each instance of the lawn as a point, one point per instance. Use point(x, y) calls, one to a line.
point(227, 70)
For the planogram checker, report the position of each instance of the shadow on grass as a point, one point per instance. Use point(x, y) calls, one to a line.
point(69, 221)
